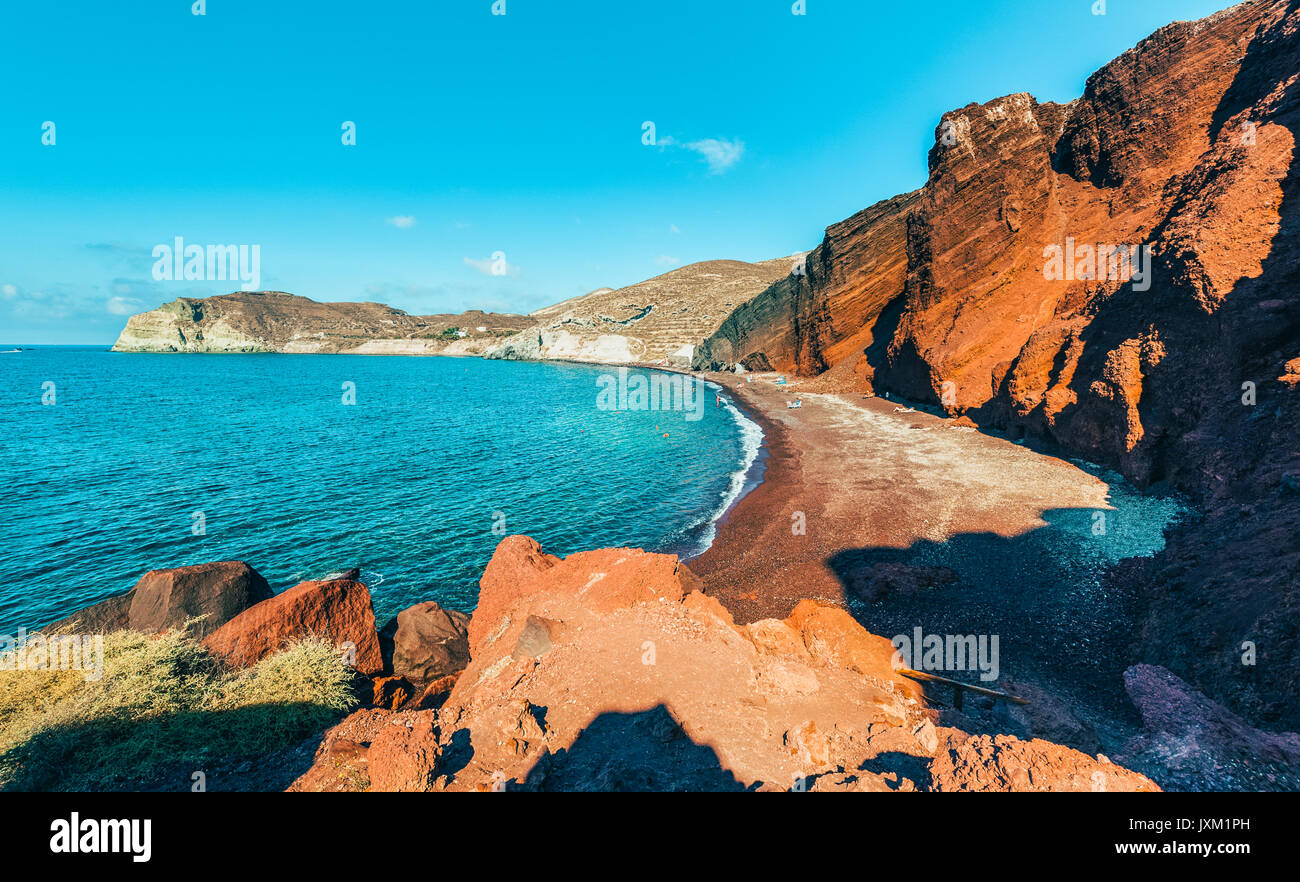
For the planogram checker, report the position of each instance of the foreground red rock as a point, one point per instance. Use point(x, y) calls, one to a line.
point(213, 593)
point(1004, 763)
point(338, 610)
point(520, 569)
point(607, 671)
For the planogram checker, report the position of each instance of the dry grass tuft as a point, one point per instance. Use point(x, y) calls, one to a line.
point(163, 706)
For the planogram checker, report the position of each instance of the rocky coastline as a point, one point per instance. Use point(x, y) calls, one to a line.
point(605, 670)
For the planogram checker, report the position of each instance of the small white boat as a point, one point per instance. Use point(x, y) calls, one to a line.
point(793, 404)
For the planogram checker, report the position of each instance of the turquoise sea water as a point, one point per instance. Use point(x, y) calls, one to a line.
point(415, 483)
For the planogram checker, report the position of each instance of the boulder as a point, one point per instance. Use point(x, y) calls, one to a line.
point(339, 611)
point(609, 670)
point(427, 642)
point(164, 599)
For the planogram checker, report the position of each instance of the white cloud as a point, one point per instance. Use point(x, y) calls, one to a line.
point(402, 221)
point(496, 265)
point(122, 305)
point(720, 153)
point(672, 228)
point(665, 260)
point(10, 292)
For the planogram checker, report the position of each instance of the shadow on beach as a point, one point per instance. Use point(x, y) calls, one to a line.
point(1064, 621)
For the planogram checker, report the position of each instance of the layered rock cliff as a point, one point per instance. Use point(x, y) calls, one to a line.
point(1118, 275)
point(272, 321)
point(824, 312)
point(661, 320)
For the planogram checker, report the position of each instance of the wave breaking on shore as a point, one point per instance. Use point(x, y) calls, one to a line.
point(743, 479)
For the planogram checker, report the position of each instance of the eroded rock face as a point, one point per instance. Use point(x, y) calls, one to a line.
point(1155, 153)
point(165, 599)
point(1186, 146)
point(338, 610)
point(942, 295)
point(610, 670)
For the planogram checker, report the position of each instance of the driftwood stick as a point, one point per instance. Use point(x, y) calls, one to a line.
point(960, 687)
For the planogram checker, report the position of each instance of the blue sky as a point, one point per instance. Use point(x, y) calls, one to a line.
point(478, 134)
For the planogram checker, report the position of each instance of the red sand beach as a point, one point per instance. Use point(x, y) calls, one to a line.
point(863, 475)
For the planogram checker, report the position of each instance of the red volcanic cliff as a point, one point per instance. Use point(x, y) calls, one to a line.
point(983, 294)
point(826, 314)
